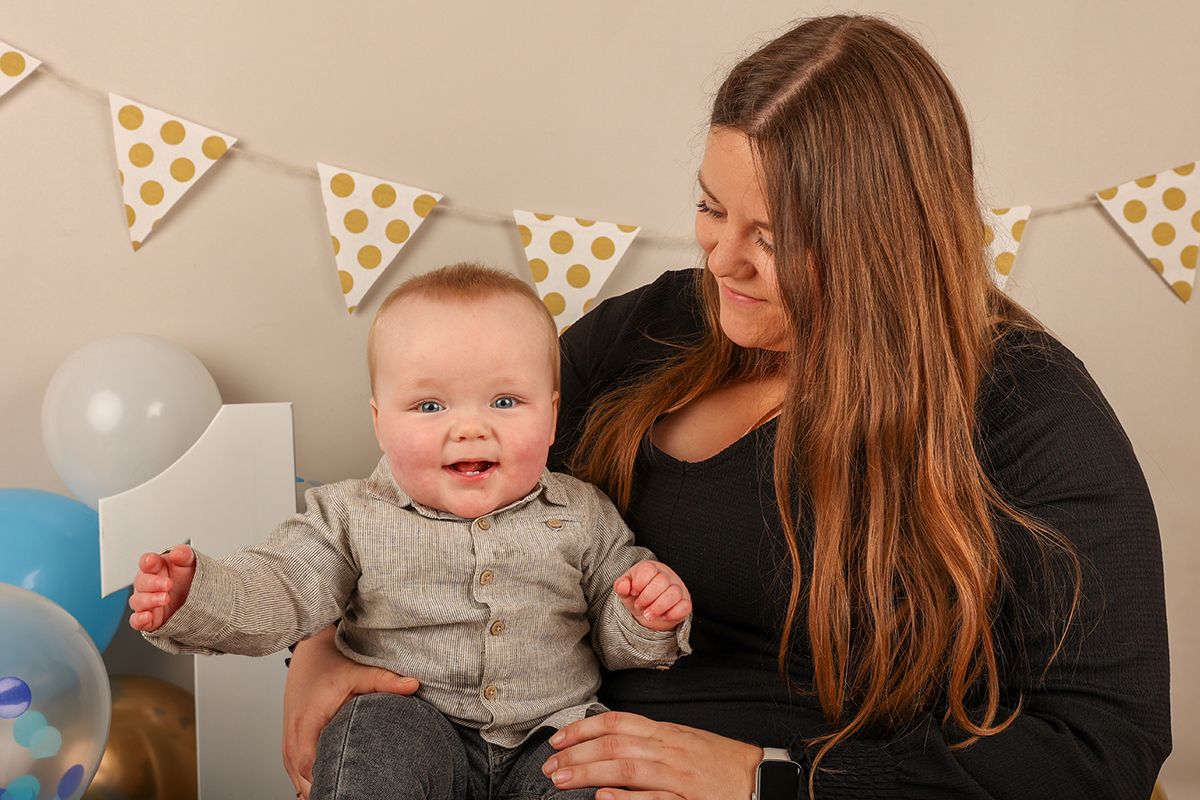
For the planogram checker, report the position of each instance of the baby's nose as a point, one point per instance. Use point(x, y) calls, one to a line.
point(470, 427)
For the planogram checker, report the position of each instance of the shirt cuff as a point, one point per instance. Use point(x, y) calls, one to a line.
point(664, 646)
point(202, 622)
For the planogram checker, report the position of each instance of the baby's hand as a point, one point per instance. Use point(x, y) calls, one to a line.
point(655, 595)
point(161, 586)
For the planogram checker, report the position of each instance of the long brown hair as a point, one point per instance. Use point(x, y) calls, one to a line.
point(892, 318)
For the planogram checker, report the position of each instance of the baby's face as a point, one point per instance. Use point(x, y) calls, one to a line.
point(464, 401)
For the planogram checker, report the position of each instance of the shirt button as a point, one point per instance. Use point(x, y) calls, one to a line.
point(483, 524)
point(497, 628)
point(490, 691)
point(554, 523)
point(485, 577)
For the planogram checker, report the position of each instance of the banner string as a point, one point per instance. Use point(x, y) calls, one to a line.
point(1058, 209)
point(473, 214)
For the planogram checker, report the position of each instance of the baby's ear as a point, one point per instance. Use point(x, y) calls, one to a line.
point(554, 418)
point(375, 417)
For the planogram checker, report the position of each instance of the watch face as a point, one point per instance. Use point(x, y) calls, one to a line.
point(778, 780)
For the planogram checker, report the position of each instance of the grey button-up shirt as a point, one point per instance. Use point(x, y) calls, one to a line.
point(501, 618)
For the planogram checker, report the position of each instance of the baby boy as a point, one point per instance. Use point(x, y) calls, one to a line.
point(461, 561)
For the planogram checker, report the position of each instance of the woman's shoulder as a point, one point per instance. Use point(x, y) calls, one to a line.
point(619, 340)
point(1043, 420)
point(636, 326)
point(1032, 369)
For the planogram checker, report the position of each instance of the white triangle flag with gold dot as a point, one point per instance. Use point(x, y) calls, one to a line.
point(1161, 214)
point(15, 66)
point(571, 258)
point(370, 221)
point(159, 157)
point(1003, 228)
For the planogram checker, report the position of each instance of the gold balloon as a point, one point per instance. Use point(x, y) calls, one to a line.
point(151, 752)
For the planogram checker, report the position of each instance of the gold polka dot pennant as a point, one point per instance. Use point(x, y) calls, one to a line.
point(571, 258)
point(1003, 230)
point(15, 66)
point(1161, 214)
point(370, 221)
point(159, 157)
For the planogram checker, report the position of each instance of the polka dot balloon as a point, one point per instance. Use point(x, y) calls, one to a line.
point(15, 66)
point(55, 704)
point(159, 157)
point(1161, 214)
point(570, 258)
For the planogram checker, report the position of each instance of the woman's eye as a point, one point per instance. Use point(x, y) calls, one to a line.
point(504, 402)
point(766, 246)
point(429, 407)
point(704, 208)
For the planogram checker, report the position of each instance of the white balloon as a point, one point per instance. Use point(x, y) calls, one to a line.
point(121, 409)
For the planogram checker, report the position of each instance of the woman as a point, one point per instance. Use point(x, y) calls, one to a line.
point(922, 554)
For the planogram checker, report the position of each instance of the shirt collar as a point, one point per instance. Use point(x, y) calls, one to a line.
point(383, 486)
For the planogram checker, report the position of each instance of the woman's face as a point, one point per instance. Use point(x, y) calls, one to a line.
point(733, 228)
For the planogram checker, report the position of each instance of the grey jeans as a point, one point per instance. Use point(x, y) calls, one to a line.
point(391, 747)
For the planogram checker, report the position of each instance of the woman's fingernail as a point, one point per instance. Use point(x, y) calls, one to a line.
point(550, 766)
point(562, 776)
point(557, 738)
point(605, 796)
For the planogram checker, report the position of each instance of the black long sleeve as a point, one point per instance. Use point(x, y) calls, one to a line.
point(1096, 725)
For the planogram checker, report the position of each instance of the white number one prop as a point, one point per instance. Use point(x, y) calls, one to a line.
point(235, 484)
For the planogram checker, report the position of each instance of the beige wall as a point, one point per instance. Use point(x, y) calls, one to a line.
point(592, 110)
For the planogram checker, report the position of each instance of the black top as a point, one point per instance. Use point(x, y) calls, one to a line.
point(1098, 724)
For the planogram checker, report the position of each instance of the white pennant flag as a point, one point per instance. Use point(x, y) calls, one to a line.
point(15, 66)
point(1161, 214)
point(1003, 228)
point(571, 258)
point(370, 220)
point(159, 157)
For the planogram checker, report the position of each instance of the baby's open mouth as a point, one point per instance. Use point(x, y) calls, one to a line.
point(472, 467)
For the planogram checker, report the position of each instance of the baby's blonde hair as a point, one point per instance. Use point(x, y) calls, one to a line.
point(465, 280)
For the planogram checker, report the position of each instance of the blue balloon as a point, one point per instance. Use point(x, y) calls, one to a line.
point(50, 544)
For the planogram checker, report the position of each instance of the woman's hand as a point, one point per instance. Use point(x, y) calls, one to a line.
point(651, 760)
point(320, 680)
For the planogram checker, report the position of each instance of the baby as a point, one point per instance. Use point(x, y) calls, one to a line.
point(461, 561)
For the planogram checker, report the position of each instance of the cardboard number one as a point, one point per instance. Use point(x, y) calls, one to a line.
point(229, 490)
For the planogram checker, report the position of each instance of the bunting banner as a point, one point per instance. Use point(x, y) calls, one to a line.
point(1003, 228)
point(370, 220)
point(15, 66)
point(570, 259)
point(1161, 214)
point(159, 157)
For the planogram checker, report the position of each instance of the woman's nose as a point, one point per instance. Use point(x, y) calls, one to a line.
point(731, 257)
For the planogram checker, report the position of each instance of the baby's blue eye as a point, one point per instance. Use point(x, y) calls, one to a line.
point(430, 407)
point(504, 402)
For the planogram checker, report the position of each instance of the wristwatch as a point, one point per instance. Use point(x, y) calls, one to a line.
point(778, 776)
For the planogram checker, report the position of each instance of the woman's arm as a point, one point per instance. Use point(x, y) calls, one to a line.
point(1096, 724)
point(319, 681)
